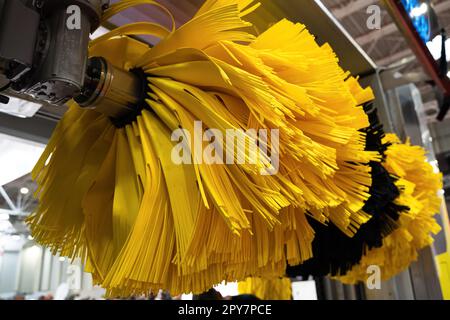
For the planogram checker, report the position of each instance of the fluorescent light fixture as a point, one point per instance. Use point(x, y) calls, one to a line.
point(20, 108)
point(4, 217)
point(24, 190)
point(17, 157)
point(6, 226)
point(419, 11)
point(435, 47)
point(99, 32)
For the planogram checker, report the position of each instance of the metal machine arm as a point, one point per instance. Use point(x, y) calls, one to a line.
point(44, 55)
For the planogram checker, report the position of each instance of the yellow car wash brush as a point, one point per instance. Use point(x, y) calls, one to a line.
point(334, 252)
point(420, 186)
point(267, 288)
point(161, 199)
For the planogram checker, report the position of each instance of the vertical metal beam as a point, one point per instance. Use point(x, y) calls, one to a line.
point(404, 286)
point(337, 289)
point(426, 285)
point(406, 109)
point(327, 289)
point(350, 292)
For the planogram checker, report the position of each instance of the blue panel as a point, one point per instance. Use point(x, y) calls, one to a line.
point(422, 22)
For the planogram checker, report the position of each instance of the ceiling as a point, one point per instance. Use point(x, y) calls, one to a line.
point(384, 46)
point(387, 46)
point(24, 204)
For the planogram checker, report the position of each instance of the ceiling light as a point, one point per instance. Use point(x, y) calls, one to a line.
point(16, 237)
point(62, 259)
point(17, 158)
point(6, 226)
point(24, 190)
point(30, 238)
point(4, 217)
point(419, 11)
